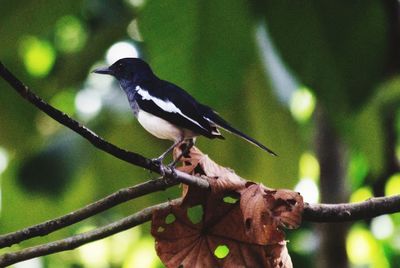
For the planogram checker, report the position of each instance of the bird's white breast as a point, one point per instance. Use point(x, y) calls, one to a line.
point(161, 128)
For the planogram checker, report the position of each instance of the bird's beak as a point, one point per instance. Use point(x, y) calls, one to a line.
point(102, 70)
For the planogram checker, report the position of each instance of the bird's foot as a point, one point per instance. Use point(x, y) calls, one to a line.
point(168, 173)
point(158, 162)
point(172, 170)
point(185, 148)
point(164, 169)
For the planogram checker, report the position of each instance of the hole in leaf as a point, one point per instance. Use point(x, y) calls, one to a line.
point(291, 201)
point(230, 199)
point(270, 192)
point(221, 251)
point(170, 218)
point(160, 229)
point(248, 223)
point(248, 184)
point(199, 170)
point(195, 214)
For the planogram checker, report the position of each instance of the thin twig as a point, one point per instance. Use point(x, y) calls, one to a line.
point(101, 205)
point(93, 138)
point(351, 211)
point(312, 212)
point(84, 238)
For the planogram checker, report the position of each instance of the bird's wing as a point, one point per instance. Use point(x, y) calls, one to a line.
point(174, 105)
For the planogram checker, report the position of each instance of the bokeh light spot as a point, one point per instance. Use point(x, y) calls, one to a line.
point(304, 242)
point(121, 50)
point(382, 227)
point(38, 55)
point(70, 34)
point(302, 104)
point(363, 250)
point(3, 159)
point(143, 255)
point(136, 3)
point(133, 31)
point(88, 103)
point(392, 187)
point(308, 189)
point(395, 239)
point(32, 263)
point(95, 254)
point(309, 166)
point(361, 195)
point(360, 246)
point(120, 243)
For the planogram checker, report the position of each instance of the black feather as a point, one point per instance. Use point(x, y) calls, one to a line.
point(220, 122)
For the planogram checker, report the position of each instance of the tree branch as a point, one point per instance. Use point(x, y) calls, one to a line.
point(351, 211)
point(101, 205)
point(312, 212)
point(84, 238)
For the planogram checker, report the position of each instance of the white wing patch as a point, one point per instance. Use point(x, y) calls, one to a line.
point(209, 120)
point(216, 130)
point(165, 105)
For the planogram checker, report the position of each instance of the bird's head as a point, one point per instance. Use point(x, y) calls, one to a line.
point(128, 69)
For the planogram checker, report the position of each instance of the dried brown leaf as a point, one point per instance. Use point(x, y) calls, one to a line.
point(223, 179)
point(262, 206)
point(182, 243)
point(250, 227)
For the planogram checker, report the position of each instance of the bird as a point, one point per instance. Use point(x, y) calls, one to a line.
point(166, 110)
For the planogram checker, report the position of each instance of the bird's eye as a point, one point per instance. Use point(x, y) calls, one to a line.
point(120, 66)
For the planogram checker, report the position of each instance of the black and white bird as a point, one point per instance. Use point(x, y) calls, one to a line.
point(164, 109)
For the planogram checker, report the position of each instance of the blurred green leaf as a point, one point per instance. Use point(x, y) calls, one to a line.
point(70, 34)
point(38, 55)
point(262, 114)
point(357, 170)
point(367, 130)
point(337, 48)
point(392, 187)
point(361, 194)
point(205, 45)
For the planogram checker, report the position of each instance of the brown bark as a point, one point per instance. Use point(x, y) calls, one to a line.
point(330, 153)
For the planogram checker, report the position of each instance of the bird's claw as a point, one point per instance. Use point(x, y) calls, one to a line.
point(158, 162)
point(163, 169)
point(172, 169)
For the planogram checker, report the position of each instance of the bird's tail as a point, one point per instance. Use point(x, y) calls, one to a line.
point(220, 122)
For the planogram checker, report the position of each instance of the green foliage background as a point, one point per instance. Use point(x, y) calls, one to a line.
point(340, 51)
